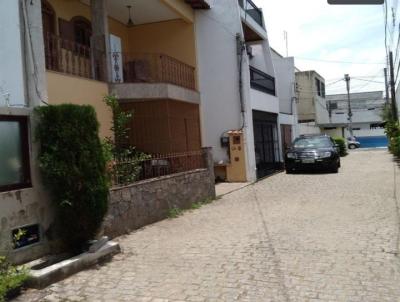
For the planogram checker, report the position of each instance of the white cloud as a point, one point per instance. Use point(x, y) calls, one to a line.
point(321, 31)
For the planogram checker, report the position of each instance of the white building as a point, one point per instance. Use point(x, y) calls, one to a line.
point(367, 114)
point(285, 84)
point(22, 87)
point(237, 85)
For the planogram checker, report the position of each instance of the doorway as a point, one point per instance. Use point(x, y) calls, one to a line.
point(266, 143)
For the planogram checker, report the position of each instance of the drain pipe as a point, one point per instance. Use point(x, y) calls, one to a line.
point(241, 47)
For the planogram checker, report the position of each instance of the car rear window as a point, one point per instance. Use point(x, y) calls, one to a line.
point(312, 142)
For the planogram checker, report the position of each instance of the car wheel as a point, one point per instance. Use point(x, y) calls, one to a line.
point(352, 146)
point(335, 169)
point(339, 164)
point(289, 171)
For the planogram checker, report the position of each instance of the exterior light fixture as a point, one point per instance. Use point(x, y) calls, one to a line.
point(130, 22)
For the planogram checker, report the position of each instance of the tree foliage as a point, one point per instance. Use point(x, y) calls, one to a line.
point(126, 160)
point(73, 166)
point(341, 142)
point(392, 130)
point(11, 278)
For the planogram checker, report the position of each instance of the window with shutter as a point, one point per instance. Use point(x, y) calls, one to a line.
point(66, 30)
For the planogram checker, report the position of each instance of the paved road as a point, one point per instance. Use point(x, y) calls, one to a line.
point(288, 238)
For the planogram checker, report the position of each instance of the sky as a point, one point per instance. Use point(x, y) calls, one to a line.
point(343, 33)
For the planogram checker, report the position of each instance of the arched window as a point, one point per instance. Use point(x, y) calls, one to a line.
point(49, 31)
point(82, 30)
point(48, 18)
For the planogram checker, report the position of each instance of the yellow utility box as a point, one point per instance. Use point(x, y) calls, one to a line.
point(236, 169)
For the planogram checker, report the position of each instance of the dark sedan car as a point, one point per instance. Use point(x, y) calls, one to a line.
point(313, 152)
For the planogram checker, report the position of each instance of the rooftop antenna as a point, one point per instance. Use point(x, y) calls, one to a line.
point(285, 37)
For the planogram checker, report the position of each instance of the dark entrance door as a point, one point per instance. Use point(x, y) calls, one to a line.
point(266, 143)
point(286, 132)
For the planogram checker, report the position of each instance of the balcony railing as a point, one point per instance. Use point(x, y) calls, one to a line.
point(152, 68)
point(252, 10)
point(261, 81)
point(72, 58)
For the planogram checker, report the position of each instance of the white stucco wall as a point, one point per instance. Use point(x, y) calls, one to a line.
point(263, 101)
point(218, 72)
point(285, 81)
point(216, 31)
point(309, 128)
point(359, 116)
point(367, 107)
point(321, 111)
point(30, 205)
point(12, 89)
point(366, 131)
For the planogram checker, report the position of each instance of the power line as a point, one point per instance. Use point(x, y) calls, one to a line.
point(353, 78)
point(341, 62)
point(330, 84)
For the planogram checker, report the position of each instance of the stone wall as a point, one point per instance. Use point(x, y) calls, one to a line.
point(149, 201)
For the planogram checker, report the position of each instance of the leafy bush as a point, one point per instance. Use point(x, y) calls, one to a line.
point(395, 145)
point(74, 169)
point(125, 160)
point(11, 278)
point(392, 130)
point(341, 142)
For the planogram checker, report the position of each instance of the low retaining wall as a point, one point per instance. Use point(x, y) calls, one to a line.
point(149, 201)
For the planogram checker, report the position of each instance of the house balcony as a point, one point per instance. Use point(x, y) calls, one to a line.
point(152, 76)
point(144, 52)
point(72, 58)
point(253, 11)
point(153, 57)
point(252, 21)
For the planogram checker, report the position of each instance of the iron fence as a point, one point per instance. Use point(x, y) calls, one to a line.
point(129, 170)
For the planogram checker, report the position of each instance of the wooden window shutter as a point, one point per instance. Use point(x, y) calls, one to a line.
point(66, 29)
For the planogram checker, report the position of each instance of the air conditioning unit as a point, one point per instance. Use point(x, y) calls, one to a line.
point(249, 51)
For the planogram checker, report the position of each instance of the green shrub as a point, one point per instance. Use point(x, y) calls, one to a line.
point(341, 142)
point(392, 130)
point(74, 170)
point(11, 278)
point(395, 145)
point(125, 159)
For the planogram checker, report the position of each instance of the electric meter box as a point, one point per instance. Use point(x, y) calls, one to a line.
point(236, 170)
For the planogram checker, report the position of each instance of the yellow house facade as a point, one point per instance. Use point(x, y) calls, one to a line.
point(142, 51)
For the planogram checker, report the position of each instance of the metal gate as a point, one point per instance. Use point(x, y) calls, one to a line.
point(266, 143)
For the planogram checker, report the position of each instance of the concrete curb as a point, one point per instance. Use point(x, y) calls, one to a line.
point(44, 277)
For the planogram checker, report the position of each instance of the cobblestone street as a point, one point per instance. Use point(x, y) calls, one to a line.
point(304, 237)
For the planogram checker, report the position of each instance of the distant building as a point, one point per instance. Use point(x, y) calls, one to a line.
point(310, 88)
point(367, 118)
point(285, 85)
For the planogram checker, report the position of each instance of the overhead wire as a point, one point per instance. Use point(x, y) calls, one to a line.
point(340, 62)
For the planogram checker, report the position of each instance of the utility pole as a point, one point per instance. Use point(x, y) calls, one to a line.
point(392, 88)
point(349, 113)
point(285, 36)
point(386, 86)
